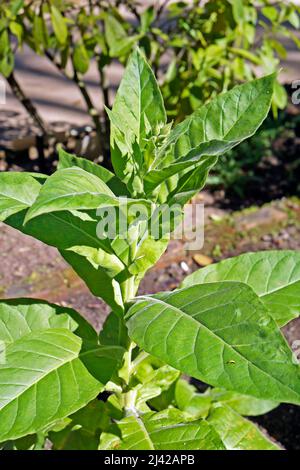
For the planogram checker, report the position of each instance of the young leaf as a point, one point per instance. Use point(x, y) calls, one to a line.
point(114, 331)
point(81, 58)
point(236, 432)
point(213, 129)
point(138, 114)
point(244, 405)
point(221, 334)
point(166, 430)
point(59, 26)
point(71, 188)
point(199, 404)
point(193, 403)
point(273, 275)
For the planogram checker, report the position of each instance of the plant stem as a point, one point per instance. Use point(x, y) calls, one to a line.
point(143, 355)
point(27, 104)
point(128, 289)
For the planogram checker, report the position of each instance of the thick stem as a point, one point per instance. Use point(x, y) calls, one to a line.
point(128, 289)
point(27, 104)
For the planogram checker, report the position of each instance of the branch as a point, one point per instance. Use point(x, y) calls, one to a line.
point(27, 104)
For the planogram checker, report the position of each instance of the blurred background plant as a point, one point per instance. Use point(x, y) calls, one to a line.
point(197, 48)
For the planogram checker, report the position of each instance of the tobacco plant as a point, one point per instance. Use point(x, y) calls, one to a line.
point(122, 388)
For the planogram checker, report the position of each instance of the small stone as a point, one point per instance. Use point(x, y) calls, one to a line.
point(266, 238)
point(33, 153)
point(202, 260)
point(184, 266)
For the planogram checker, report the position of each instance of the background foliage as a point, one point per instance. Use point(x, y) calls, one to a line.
point(199, 49)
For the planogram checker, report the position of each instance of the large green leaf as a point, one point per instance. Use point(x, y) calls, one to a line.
point(213, 129)
point(137, 116)
point(17, 191)
point(19, 317)
point(22, 316)
point(236, 432)
point(33, 374)
point(166, 430)
point(64, 230)
point(41, 381)
point(71, 188)
point(273, 275)
point(67, 160)
point(74, 233)
point(220, 333)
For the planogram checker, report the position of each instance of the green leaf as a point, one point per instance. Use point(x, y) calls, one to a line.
point(71, 188)
point(191, 182)
point(66, 160)
point(191, 402)
point(42, 380)
point(114, 331)
point(22, 316)
point(213, 129)
point(236, 432)
point(153, 384)
point(59, 25)
point(220, 333)
point(273, 275)
point(81, 58)
point(64, 230)
point(198, 404)
point(40, 33)
point(7, 63)
point(74, 233)
point(83, 431)
point(166, 430)
point(103, 361)
point(119, 41)
point(17, 191)
point(138, 115)
point(245, 405)
point(17, 30)
point(15, 6)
